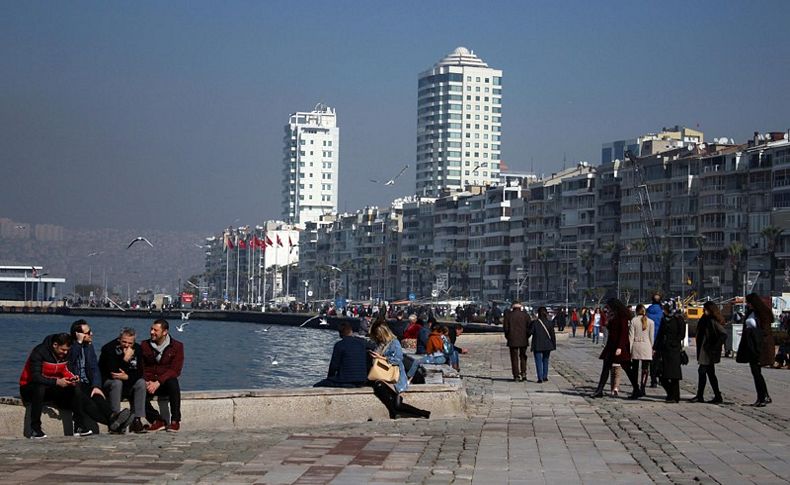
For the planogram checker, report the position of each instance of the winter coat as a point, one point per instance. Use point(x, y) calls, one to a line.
point(517, 328)
point(655, 313)
point(757, 342)
point(669, 344)
point(543, 339)
point(618, 339)
point(42, 367)
point(91, 363)
point(168, 367)
point(710, 339)
point(111, 360)
point(640, 341)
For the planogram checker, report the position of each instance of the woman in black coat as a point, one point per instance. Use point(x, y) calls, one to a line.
point(669, 345)
point(710, 339)
point(543, 342)
point(757, 344)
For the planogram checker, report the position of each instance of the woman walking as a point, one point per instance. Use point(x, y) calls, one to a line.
point(710, 340)
point(585, 321)
point(596, 325)
point(616, 350)
point(389, 348)
point(669, 345)
point(757, 344)
point(543, 342)
point(640, 337)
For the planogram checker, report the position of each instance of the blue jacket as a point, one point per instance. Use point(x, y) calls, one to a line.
point(349, 362)
point(655, 313)
point(91, 363)
point(394, 355)
point(422, 339)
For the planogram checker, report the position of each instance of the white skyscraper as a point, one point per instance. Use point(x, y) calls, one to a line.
point(459, 110)
point(310, 165)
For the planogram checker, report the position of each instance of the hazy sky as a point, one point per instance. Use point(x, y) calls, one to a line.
point(170, 114)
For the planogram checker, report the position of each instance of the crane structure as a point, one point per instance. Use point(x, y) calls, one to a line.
point(652, 248)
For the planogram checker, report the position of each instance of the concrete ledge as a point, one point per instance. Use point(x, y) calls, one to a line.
point(250, 409)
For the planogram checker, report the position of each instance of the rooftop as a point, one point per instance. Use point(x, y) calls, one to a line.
point(461, 56)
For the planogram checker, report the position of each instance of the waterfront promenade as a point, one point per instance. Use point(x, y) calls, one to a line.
point(514, 433)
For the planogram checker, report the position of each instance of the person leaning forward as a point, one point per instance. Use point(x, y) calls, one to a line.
point(121, 366)
point(163, 360)
point(518, 329)
point(349, 364)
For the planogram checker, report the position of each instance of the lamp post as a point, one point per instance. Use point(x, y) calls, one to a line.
point(306, 284)
point(520, 271)
point(567, 246)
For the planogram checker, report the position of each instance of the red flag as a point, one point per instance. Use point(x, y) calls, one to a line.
point(290, 243)
point(269, 241)
point(256, 243)
point(279, 241)
point(242, 244)
point(228, 242)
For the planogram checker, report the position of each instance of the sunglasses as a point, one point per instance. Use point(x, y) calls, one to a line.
point(89, 332)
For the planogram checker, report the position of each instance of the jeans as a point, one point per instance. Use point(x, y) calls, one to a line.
point(428, 359)
point(542, 364)
point(596, 334)
point(172, 390)
point(117, 389)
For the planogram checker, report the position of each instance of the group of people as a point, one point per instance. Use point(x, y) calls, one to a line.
point(519, 329)
point(65, 369)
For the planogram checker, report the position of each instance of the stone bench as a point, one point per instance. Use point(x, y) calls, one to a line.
point(250, 409)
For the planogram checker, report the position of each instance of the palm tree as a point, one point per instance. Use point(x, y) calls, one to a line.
point(667, 257)
point(346, 266)
point(640, 246)
point(736, 251)
point(463, 269)
point(699, 241)
point(544, 254)
point(587, 258)
point(772, 235)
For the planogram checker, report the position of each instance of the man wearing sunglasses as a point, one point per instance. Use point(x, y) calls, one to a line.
point(84, 364)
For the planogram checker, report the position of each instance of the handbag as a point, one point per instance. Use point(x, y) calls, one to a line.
point(684, 358)
point(382, 370)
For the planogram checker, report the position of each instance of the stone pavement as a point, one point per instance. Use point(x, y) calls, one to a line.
point(514, 433)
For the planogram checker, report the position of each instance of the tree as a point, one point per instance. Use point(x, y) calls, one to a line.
point(736, 251)
point(667, 257)
point(587, 258)
point(640, 246)
point(772, 235)
point(544, 254)
point(463, 269)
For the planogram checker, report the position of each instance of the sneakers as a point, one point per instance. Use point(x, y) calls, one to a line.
point(137, 427)
point(82, 431)
point(157, 425)
point(120, 420)
point(37, 434)
point(174, 427)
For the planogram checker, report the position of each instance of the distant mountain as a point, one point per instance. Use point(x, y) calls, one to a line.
point(90, 256)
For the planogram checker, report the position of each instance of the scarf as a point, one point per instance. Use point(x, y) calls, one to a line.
point(159, 349)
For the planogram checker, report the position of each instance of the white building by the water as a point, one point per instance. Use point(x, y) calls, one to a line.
point(310, 165)
point(459, 124)
point(28, 285)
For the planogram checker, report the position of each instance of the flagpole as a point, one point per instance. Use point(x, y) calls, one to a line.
point(238, 258)
point(227, 266)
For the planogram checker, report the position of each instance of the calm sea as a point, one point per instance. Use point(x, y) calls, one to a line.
point(219, 355)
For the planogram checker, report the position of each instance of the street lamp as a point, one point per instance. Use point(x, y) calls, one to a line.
point(520, 271)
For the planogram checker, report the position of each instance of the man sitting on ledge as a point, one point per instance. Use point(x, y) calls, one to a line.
point(349, 364)
point(163, 359)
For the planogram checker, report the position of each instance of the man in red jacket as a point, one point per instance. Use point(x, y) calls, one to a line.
point(163, 359)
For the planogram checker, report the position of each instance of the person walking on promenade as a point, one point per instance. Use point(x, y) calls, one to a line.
point(585, 321)
point(518, 329)
point(543, 342)
point(757, 344)
point(121, 367)
point(596, 325)
point(640, 337)
point(560, 319)
point(616, 349)
point(710, 339)
point(163, 360)
point(656, 313)
point(574, 322)
point(388, 347)
point(668, 346)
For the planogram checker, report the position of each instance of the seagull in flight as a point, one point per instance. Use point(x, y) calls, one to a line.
point(95, 253)
point(274, 360)
point(139, 238)
point(183, 325)
point(323, 322)
point(267, 328)
point(393, 179)
point(185, 316)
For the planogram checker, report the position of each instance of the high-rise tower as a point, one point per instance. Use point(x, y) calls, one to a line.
point(310, 165)
point(459, 123)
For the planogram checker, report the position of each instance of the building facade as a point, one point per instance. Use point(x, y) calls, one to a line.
point(310, 165)
point(459, 124)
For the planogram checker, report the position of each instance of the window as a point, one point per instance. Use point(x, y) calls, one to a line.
point(468, 117)
point(467, 144)
point(469, 78)
point(477, 126)
point(497, 81)
point(477, 98)
point(477, 89)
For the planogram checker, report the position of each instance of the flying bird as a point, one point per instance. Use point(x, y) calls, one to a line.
point(183, 325)
point(95, 253)
point(267, 328)
point(139, 238)
point(185, 316)
point(323, 322)
point(393, 179)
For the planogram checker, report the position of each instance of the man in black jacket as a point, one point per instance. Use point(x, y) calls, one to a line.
point(349, 364)
point(121, 367)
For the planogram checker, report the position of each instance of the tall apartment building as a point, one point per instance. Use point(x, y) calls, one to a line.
point(310, 165)
point(459, 124)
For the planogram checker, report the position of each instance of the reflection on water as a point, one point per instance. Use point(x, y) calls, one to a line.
point(218, 355)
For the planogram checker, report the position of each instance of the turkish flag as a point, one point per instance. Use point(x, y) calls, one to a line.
point(269, 241)
point(279, 241)
point(242, 244)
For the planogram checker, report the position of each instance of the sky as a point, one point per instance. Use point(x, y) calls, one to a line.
point(170, 115)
